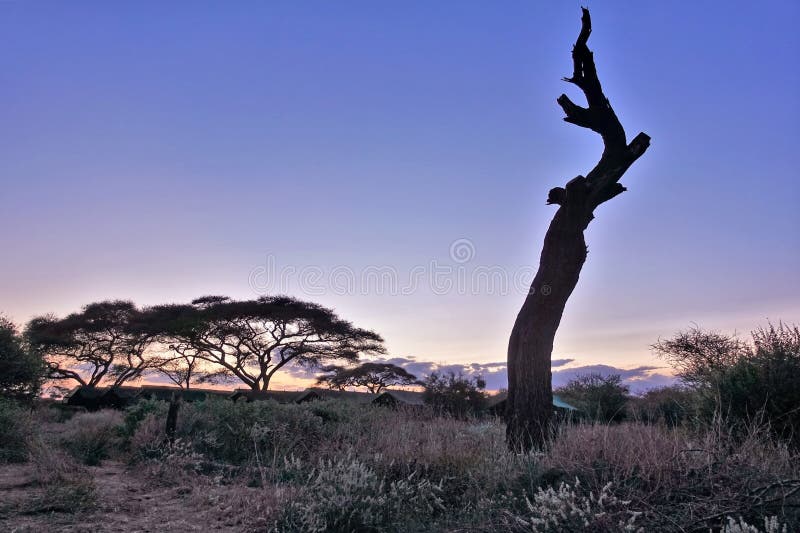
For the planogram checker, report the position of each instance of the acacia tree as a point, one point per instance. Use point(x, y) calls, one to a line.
point(251, 340)
point(374, 376)
point(183, 368)
point(103, 343)
point(178, 362)
point(530, 393)
point(698, 355)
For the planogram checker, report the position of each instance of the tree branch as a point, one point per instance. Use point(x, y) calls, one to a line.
point(600, 185)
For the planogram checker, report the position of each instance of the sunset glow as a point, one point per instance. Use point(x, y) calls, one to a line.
point(140, 165)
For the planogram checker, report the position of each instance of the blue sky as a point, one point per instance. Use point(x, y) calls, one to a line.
point(160, 152)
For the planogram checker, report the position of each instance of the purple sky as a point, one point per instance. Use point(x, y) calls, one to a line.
point(161, 152)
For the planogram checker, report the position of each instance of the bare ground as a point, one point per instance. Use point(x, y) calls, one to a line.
point(127, 501)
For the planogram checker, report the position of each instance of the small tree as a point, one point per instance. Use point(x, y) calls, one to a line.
point(21, 370)
point(455, 394)
point(699, 355)
point(252, 340)
point(104, 342)
point(602, 398)
point(374, 376)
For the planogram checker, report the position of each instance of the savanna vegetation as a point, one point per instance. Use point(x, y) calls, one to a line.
point(716, 452)
point(719, 451)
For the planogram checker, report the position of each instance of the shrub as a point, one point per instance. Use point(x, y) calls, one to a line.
point(138, 412)
point(601, 398)
point(336, 412)
point(179, 456)
point(744, 382)
point(16, 430)
point(568, 509)
point(672, 406)
point(767, 382)
point(228, 431)
point(455, 394)
point(699, 355)
point(346, 495)
point(148, 439)
point(90, 437)
point(771, 525)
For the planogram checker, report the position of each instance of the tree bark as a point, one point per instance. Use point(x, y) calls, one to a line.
point(529, 407)
point(172, 417)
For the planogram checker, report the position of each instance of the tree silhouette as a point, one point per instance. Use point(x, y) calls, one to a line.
point(374, 376)
point(529, 406)
point(178, 362)
point(182, 368)
point(104, 342)
point(21, 369)
point(251, 340)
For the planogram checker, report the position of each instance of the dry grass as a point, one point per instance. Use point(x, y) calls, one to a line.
point(67, 486)
point(687, 479)
point(329, 465)
point(92, 437)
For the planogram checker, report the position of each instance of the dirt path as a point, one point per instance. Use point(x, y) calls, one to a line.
point(125, 502)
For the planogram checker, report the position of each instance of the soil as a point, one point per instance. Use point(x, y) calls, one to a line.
point(127, 501)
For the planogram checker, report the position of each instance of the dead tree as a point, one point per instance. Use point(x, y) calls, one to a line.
point(530, 394)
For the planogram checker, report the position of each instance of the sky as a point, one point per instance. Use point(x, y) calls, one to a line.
point(392, 159)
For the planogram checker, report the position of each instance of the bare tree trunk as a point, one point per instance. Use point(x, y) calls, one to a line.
point(172, 417)
point(530, 394)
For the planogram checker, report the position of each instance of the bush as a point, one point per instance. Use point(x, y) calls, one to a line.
point(771, 525)
point(231, 432)
point(336, 412)
point(767, 382)
point(138, 412)
point(16, 430)
point(90, 437)
point(455, 394)
point(568, 509)
point(346, 495)
point(672, 406)
point(601, 398)
point(148, 439)
point(743, 382)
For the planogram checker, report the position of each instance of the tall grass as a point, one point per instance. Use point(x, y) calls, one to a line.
point(67, 485)
point(333, 466)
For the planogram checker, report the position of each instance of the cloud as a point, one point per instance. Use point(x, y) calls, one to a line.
point(638, 379)
point(495, 373)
